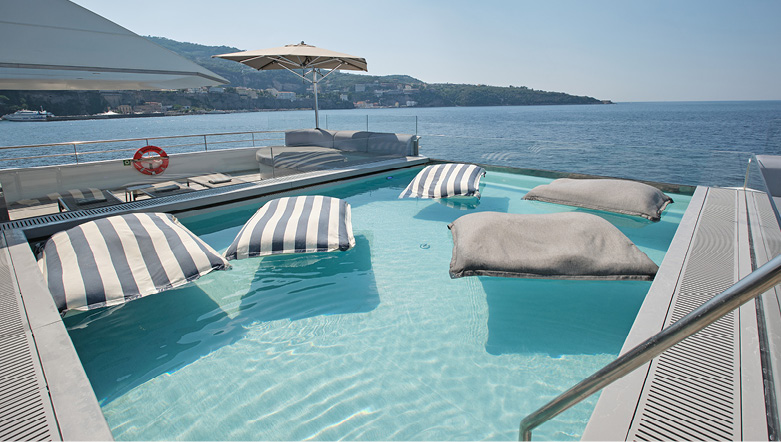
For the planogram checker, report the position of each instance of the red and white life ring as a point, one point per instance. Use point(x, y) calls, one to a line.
point(150, 160)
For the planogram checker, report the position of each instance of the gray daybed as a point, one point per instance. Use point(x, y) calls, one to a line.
point(316, 149)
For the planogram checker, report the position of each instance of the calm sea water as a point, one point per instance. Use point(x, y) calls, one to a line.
point(680, 142)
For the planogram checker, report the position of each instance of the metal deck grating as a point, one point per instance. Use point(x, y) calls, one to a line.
point(693, 390)
point(25, 407)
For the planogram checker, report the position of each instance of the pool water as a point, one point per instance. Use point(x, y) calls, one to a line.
point(373, 343)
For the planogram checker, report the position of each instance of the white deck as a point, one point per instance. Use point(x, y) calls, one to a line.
point(710, 386)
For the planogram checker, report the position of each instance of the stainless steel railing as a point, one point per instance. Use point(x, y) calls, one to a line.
point(248, 138)
point(756, 283)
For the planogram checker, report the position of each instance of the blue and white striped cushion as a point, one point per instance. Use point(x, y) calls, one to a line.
point(113, 260)
point(444, 181)
point(299, 224)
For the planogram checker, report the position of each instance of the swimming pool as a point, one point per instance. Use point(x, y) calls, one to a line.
point(373, 343)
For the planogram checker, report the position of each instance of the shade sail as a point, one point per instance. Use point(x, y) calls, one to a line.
point(299, 224)
point(113, 260)
point(58, 45)
point(444, 181)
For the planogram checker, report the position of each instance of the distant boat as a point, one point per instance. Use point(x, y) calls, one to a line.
point(28, 115)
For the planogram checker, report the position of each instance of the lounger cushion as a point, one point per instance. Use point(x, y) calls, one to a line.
point(113, 260)
point(569, 245)
point(621, 196)
point(300, 224)
point(445, 180)
point(309, 137)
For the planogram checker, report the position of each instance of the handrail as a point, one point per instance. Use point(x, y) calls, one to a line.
point(70, 143)
point(756, 283)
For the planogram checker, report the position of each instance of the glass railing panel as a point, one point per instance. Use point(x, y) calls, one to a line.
point(651, 163)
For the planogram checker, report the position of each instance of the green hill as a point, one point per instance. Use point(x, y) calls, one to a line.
point(361, 87)
point(340, 90)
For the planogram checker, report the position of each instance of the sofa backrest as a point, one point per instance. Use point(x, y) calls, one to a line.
point(351, 140)
point(379, 143)
point(309, 137)
point(392, 144)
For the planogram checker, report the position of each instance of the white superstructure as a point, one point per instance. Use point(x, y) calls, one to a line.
point(28, 115)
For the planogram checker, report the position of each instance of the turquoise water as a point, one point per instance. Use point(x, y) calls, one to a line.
point(376, 343)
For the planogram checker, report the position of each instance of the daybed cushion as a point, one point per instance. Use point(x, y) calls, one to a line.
point(305, 158)
point(351, 141)
point(621, 196)
point(309, 137)
point(299, 224)
point(382, 143)
point(445, 180)
point(569, 245)
point(113, 260)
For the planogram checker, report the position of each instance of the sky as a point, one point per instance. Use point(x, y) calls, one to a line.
point(619, 50)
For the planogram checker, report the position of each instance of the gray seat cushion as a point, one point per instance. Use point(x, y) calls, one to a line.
point(569, 245)
point(351, 140)
point(309, 137)
point(621, 196)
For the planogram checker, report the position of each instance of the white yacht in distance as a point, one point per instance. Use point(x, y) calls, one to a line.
point(28, 115)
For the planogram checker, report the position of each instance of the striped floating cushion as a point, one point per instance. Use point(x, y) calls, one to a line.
point(445, 180)
point(113, 260)
point(299, 224)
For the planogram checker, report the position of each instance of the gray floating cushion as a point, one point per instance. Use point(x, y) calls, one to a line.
point(621, 196)
point(569, 245)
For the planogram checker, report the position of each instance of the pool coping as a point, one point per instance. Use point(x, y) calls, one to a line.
point(621, 411)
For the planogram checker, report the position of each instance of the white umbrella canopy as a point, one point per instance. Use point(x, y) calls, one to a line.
point(58, 45)
point(299, 56)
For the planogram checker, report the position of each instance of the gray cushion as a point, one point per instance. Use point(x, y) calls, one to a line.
point(309, 137)
point(390, 144)
point(569, 245)
point(351, 140)
point(621, 196)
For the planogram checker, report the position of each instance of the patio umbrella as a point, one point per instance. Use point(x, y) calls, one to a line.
point(310, 59)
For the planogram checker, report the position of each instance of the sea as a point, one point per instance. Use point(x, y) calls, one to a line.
point(708, 143)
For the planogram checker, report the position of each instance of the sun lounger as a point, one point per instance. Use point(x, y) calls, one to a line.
point(165, 188)
point(74, 199)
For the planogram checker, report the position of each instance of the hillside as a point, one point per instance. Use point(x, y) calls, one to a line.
point(340, 90)
point(424, 94)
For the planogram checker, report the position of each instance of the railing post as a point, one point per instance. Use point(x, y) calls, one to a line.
point(273, 165)
point(205, 146)
point(253, 139)
point(367, 122)
point(76, 153)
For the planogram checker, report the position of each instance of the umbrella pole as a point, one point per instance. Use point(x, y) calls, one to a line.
point(317, 119)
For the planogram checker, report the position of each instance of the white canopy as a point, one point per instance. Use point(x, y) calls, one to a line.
point(58, 45)
point(299, 56)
